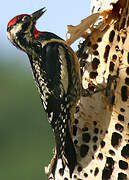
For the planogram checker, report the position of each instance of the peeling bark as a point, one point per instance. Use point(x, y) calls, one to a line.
point(101, 126)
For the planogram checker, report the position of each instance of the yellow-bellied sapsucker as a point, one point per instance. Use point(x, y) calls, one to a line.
point(56, 72)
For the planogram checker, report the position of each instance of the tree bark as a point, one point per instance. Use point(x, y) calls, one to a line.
point(101, 125)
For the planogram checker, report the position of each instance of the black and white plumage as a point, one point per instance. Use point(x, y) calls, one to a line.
point(56, 72)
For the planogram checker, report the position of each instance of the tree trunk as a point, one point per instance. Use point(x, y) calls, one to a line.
point(101, 126)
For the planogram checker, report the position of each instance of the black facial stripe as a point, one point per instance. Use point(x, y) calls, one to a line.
point(11, 27)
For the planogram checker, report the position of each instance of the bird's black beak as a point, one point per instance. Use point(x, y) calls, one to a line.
point(36, 15)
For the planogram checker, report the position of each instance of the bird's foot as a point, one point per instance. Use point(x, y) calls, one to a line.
point(88, 92)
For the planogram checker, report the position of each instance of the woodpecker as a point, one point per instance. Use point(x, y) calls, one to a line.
point(56, 72)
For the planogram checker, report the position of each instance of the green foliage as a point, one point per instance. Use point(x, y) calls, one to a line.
point(25, 136)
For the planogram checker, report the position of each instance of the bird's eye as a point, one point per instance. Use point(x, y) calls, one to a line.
point(25, 18)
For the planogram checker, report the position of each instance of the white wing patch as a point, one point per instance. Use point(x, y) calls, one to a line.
point(64, 71)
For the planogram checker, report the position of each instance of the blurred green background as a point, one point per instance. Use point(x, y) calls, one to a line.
point(26, 141)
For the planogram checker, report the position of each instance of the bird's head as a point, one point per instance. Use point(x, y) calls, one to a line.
point(22, 24)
